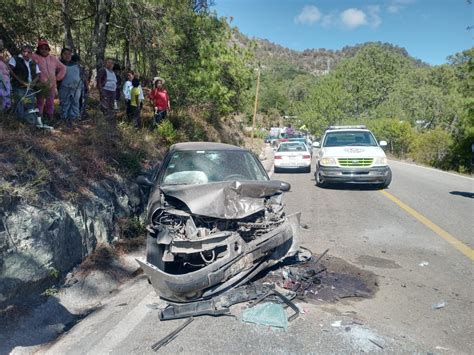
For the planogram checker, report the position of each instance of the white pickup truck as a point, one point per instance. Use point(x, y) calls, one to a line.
point(351, 154)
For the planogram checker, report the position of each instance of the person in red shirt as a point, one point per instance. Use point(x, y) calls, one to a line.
point(160, 99)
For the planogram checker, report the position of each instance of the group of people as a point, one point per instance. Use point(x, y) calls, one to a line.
point(34, 80)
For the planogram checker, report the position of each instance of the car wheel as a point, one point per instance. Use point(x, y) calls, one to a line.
point(319, 179)
point(388, 179)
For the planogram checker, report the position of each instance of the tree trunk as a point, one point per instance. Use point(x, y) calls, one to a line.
point(126, 54)
point(99, 36)
point(67, 23)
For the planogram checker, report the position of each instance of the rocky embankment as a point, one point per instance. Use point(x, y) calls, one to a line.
point(40, 244)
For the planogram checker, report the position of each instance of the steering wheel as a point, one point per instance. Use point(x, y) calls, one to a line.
point(235, 177)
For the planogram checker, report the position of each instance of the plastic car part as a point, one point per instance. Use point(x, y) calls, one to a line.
point(216, 306)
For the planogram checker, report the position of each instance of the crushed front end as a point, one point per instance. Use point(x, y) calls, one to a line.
point(206, 239)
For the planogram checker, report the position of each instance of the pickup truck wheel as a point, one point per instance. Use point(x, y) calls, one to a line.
point(388, 179)
point(319, 179)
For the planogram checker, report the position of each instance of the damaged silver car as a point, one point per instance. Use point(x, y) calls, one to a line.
point(215, 220)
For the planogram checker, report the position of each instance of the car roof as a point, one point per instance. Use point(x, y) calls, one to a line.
point(292, 142)
point(348, 130)
point(204, 146)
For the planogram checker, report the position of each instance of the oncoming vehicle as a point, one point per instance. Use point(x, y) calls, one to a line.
point(292, 156)
point(351, 154)
point(214, 220)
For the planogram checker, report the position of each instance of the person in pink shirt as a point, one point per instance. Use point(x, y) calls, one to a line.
point(52, 70)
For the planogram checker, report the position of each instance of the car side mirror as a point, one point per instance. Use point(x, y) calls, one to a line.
point(284, 186)
point(144, 181)
point(316, 145)
point(383, 143)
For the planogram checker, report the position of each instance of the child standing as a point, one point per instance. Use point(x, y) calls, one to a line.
point(136, 102)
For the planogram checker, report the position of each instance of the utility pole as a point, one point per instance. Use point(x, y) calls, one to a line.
point(256, 104)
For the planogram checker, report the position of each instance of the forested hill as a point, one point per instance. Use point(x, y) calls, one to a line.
point(317, 61)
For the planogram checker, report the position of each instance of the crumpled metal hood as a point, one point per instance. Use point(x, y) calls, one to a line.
point(226, 200)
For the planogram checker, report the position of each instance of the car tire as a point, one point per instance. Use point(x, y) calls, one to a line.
point(388, 179)
point(319, 179)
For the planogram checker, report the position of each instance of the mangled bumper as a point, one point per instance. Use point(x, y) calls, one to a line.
point(239, 262)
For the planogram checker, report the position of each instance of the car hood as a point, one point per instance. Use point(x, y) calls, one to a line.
point(352, 152)
point(226, 200)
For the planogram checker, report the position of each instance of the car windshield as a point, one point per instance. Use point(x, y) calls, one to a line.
point(292, 147)
point(191, 167)
point(356, 138)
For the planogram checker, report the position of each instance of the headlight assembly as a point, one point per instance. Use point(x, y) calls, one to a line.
point(328, 162)
point(380, 161)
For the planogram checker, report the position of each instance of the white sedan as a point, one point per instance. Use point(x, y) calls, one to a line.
point(292, 156)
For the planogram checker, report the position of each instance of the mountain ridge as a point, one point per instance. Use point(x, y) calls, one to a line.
point(316, 61)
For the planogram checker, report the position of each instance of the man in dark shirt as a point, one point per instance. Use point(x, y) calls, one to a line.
point(24, 74)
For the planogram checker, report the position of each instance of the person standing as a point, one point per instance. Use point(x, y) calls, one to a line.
point(127, 87)
point(70, 88)
point(24, 75)
point(118, 75)
point(83, 100)
point(136, 102)
point(5, 85)
point(107, 85)
point(52, 70)
point(160, 99)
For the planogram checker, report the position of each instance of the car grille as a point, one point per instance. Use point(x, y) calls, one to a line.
point(355, 161)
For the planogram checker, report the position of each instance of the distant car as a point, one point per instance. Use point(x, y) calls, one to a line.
point(351, 154)
point(270, 139)
point(292, 156)
point(214, 221)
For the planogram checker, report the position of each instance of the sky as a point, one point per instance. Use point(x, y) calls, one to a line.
point(430, 30)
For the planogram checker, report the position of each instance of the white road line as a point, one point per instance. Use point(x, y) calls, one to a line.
point(120, 332)
point(433, 169)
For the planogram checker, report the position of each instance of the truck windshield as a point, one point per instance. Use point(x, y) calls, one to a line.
point(354, 138)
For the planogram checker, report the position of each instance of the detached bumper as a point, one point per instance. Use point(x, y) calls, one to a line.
point(374, 175)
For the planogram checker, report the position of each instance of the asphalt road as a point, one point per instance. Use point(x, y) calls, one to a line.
point(415, 236)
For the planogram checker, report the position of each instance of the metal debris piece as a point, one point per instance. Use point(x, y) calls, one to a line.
point(374, 342)
point(320, 257)
point(171, 335)
point(207, 307)
point(217, 306)
point(439, 305)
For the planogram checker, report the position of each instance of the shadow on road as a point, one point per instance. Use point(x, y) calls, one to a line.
point(31, 325)
point(352, 187)
point(463, 194)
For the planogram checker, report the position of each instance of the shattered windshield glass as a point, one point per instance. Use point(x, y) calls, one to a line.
point(206, 166)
